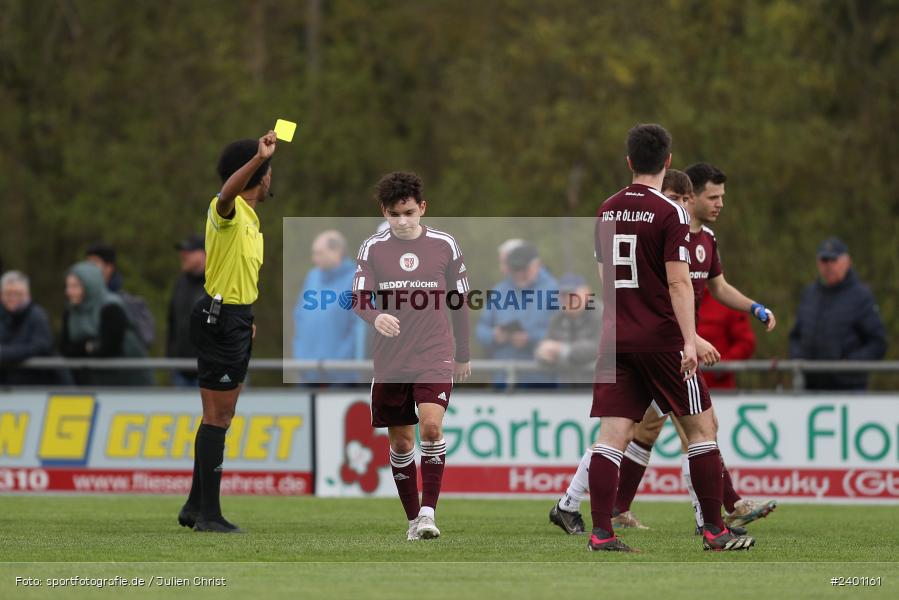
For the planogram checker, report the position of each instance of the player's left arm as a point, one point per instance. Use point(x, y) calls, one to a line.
point(734, 299)
point(457, 277)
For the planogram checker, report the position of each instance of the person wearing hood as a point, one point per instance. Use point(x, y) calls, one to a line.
point(837, 319)
point(323, 329)
point(96, 325)
point(24, 332)
point(104, 256)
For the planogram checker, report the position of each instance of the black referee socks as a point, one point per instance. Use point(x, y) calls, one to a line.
point(210, 452)
point(193, 499)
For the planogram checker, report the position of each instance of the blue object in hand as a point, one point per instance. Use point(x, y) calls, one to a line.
point(759, 312)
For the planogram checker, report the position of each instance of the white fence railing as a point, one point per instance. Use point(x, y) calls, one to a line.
point(511, 368)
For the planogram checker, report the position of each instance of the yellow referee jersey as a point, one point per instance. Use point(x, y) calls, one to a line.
point(233, 253)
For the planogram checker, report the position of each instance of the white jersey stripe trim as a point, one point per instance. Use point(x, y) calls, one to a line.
point(367, 244)
point(446, 238)
point(681, 212)
point(447, 235)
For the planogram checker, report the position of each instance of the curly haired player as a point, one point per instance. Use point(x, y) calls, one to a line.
point(221, 323)
point(417, 275)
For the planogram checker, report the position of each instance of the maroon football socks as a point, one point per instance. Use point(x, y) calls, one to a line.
point(433, 460)
point(406, 478)
point(633, 465)
point(603, 478)
point(708, 481)
point(731, 496)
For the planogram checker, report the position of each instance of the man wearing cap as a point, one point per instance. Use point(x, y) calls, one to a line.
point(837, 319)
point(186, 293)
point(573, 336)
point(512, 331)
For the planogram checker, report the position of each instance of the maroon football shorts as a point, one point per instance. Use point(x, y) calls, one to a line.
point(393, 403)
point(640, 378)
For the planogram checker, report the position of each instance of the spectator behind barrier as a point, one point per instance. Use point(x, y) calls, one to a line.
point(24, 332)
point(837, 319)
point(96, 325)
point(328, 330)
point(730, 332)
point(104, 256)
point(513, 333)
point(572, 341)
point(503, 254)
point(187, 291)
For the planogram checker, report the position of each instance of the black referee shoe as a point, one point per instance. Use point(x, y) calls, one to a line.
point(188, 516)
point(216, 525)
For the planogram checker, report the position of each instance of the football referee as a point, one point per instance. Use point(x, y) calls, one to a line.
point(221, 323)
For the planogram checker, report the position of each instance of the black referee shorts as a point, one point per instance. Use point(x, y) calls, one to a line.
point(223, 348)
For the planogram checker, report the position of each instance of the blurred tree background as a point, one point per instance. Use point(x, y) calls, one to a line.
point(114, 113)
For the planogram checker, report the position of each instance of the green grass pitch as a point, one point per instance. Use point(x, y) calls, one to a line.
point(356, 548)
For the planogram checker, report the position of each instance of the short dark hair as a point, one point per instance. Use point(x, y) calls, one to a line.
point(648, 147)
point(678, 182)
point(106, 252)
point(397, 186)
point(237, 154)
point(701, 173)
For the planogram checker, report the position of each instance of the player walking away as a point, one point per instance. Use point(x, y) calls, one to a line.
point(640, 246)
point(705, 263)
point(417, 275)
point(221, 324)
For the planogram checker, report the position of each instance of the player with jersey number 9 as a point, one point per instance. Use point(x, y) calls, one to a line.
point(649, 340)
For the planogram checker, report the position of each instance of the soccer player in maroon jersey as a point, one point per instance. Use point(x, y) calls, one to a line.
point(417, 276)
point(705, 265)
point(704, 207)
point(640, 245)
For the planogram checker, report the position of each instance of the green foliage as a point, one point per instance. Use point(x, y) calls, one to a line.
point(114, 114)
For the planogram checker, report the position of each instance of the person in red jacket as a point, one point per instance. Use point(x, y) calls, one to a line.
point(730, 332)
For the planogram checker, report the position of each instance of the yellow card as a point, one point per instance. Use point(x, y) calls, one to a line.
point(285, 129)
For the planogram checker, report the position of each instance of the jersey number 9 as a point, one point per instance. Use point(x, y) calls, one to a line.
point(624, 254)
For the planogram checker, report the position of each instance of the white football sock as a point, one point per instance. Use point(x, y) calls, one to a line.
point(577, 489)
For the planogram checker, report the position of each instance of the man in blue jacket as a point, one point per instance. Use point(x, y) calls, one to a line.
point(837, 319)
point(323, 328)
point(513, 332)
